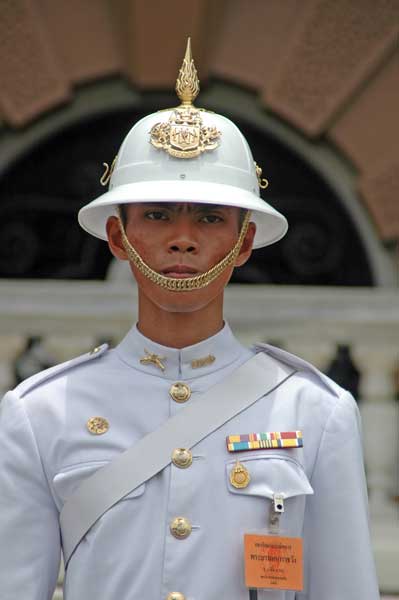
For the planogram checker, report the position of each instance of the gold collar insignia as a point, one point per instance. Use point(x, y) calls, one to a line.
point(153, 359)
point(197, 363)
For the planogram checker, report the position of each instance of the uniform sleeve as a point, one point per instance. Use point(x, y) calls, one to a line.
point(29, 531)
point(338, 555)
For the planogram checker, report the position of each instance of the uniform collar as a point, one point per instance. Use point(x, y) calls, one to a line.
point(190, 362)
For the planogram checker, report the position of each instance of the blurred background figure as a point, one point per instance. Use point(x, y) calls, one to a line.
point(33, 359)
point(343, 370)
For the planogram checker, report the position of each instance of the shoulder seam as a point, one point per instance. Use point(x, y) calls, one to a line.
point(32, 382)
point(301, 365)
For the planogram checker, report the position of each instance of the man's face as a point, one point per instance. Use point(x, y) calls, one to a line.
point(181, 240)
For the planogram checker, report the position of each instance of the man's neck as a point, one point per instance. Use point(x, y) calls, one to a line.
point(179, 330)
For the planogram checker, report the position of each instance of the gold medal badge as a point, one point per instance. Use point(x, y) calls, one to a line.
point(239, 476)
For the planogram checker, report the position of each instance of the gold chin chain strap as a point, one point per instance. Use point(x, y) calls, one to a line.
point(188, 283)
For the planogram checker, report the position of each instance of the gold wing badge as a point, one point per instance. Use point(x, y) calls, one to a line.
point(184, 135)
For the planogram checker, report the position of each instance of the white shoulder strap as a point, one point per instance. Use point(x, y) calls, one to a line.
point(257, 377)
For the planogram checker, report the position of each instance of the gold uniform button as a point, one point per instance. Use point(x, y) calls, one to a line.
point(97, 425)
point(175, 596)
point(180, 528)
point(95, 350)
point(182, 458)
point(180, 392)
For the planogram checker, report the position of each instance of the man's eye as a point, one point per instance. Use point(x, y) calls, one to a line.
point(156, 215)
point(211, 219)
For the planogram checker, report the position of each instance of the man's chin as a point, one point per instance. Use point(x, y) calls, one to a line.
point(182, 302)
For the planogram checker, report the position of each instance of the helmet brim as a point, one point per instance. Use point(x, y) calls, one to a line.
point(270, 224)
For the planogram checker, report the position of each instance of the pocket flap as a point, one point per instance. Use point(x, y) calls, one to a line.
point(271, 475)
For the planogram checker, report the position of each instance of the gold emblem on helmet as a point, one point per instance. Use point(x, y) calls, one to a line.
point(184, 134)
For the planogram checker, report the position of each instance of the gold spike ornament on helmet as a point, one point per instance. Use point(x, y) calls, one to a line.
point(184, 135)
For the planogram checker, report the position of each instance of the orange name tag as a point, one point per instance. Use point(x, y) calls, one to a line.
point(273, 562)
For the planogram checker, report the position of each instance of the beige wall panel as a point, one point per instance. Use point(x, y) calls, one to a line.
point(368, 132)
point(336, 47)
point(380, 191)
point(157, 39)
point(31, 78)
point(253, 38)
point(84, 36)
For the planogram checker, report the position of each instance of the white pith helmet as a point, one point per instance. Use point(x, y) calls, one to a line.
point(185, 155)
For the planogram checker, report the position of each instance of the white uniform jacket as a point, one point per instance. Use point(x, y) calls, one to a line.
point(46, 450)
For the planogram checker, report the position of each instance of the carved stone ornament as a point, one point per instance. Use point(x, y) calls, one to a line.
point(184, 134)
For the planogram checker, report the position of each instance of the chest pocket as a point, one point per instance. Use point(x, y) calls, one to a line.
point(68, 480)
point(270, 475)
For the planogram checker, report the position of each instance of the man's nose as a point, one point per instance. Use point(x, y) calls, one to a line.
point(183, 239)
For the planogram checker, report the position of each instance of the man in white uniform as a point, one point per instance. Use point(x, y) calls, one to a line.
point(184, 209)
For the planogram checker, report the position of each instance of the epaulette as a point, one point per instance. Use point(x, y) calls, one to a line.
point(35, 380)
point(300, 365)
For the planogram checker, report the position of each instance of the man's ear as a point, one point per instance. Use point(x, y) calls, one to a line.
point(246, 248)
point(115, 239)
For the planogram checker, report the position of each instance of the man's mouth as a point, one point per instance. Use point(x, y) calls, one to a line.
point(180, 271)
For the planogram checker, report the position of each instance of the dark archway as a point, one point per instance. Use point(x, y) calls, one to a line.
point(42, 192)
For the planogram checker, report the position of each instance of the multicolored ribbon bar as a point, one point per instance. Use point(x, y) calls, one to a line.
point(264, 440)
